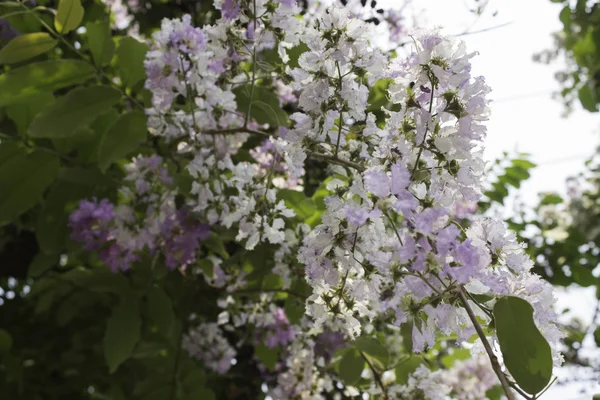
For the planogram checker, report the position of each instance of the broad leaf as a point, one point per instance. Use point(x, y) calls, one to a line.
point(100, 42)
point(23, 180)
point(121, 138)
point(372, 347)
point(51, 229)
point(265, 105)
point(46, 76)
point(76, 109)
point(267, 355)
point(406, 367)
point(122, 333)
point(526, 353)
point(68, 16)
point(588, 99)
point(303, 206)
point(24, 112)
point(160, 310)
point(351, 366)
point(27, 46)
point(131, 55)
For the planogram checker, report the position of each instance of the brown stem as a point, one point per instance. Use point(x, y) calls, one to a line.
point(493, 359)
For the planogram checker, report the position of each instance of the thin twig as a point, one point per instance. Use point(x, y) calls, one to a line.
point(493, 359)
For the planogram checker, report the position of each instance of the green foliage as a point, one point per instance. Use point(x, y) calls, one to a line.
point(68, 16)
point(351, 366)
point(23, 179)
point(406, 367)
point(100, 42)
point(77, 109)
point(27, 46)
point(130, 59)
point(121, 138)
point(264, 107)
point(122, 332)
point(45, 76)
point(525, 351)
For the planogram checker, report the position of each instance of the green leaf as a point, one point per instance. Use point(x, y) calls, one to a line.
point(267, 356)
point(23, 180)
point(121, 138)
point(24, 112)
point(51, 229)
point(122, 333)
point(526, 353)
point(160, 310)
point(588, 98)
point(100, 42)
point(26, 46)
point(372, 347)
point(597, 336)
point(265, 105)
point(351, 366)
point(551, 198)
point(41, 263)
point(6, 341)
point(46, 76)
point(77, 109)
point(131, 55)
point(303, 206)
point(405, 368)
point(203, 393)
point(406, 329)
point(68, 15)
point(294, 309)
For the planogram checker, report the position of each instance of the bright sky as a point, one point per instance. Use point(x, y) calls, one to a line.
point(524, 116)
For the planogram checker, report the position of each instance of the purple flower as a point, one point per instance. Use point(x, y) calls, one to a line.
point(90, 222)
point(182, 238)
point(187, 38)
point(378, 183)
point(446, 238)
point(7, 31)
point(118, 258)
point(400, 179)
point(230, 9)
point(356, 215)
point(327, 343)
point(424, 221)
point(279, 333)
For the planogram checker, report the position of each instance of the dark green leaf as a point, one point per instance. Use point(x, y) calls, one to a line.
point(100, 42)
point(24, 112)
point(160, 310)
point(372, 347)
point(407, 367)
point(131, 55)
point(51, 230)
point(597, 336)
point(526, 353)
point(266, 355)
point(46, 76)
point(23, 180)
point(265, 105)
point(41, 263)
point(121, 138)
point(68, 16)
point(76, 109)
point(351, 366)
point(203, 393)
point(27, 46)
point(122, 333)
point(406, 329)
point(6, 341)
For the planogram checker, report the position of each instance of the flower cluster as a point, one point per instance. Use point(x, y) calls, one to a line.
point(387, 249)
point(146, 219)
